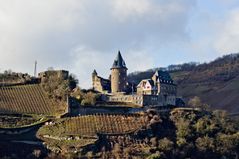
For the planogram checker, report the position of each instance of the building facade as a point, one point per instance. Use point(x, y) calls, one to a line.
point(100, 84)
point(59, 74)
point(161, 85)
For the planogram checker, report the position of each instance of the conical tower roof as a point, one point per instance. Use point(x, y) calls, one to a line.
point(119, 62)
point(94, 72)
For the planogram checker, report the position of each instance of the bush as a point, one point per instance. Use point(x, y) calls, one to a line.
point(165, 144)
point(196, 102)
point(157, 155)
point(89, 99)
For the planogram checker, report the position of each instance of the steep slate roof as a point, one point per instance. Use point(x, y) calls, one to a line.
point(151, 82)
point(163, 75)
point(119, 62)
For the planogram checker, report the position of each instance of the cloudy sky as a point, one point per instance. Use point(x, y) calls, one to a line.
point(80, 35)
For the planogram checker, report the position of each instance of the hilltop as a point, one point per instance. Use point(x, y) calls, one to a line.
point(45, 94)
point(216, 82)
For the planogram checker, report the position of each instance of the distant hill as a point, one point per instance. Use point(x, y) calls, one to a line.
point(216, 82)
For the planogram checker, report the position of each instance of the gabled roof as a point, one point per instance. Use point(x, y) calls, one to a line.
point(119, 62)
point(163, 75)
point(150, 81)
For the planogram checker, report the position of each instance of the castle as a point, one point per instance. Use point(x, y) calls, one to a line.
point(117, 81)
point(160, 90)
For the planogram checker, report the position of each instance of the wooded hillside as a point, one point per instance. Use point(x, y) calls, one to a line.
point(216, 82)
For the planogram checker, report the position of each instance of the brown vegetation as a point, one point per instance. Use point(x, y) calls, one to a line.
point(216, 82)
point(185, 133)
point(90, 125)
point(25, 99)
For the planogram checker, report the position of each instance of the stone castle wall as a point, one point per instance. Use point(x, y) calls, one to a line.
point(118, 80)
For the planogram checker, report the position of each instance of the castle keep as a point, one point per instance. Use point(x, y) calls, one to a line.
point(117, 81)
point(160, 90)
point(118, 75)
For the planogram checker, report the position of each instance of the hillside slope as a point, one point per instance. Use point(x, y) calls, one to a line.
point(216, 83)
point(29, 99)
point(219, 95)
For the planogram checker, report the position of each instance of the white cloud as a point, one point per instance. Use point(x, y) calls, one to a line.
point(125, 9)
point(33, 30)
point(139, 60)
point(228, 38)
point(86, 60)
point(80, 35)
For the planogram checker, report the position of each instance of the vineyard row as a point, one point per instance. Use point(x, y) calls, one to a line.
point(24, 99)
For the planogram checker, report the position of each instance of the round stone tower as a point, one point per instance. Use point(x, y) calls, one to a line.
point(118, 75)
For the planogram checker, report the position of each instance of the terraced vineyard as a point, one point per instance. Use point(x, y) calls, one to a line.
point(25, 99)
point(68, 145)
point(17, 121)
point(91, 125)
